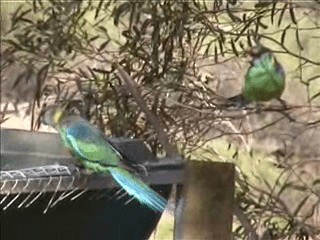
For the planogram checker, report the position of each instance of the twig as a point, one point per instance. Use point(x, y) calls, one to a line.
point(171, 149)
point(243, 219)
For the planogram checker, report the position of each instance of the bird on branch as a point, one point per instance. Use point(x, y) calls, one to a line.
point(264, 80)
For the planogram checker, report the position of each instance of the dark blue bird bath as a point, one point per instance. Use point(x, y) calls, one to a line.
point(43, 197)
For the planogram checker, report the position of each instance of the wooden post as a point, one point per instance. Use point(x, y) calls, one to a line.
point(205, 205)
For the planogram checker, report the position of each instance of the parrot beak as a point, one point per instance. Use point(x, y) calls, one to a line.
point(246, 53)
point(253, 51)
point(257, 50)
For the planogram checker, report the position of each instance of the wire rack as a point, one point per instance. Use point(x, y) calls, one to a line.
point(42, 178)
point(22, 187)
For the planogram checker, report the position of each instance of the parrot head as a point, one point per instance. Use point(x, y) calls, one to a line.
point(53, 115)
point(257, 50)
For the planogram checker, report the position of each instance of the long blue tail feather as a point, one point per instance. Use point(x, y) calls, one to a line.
point(138, 189)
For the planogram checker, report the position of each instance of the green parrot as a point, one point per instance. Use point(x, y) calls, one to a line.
point(264, 80)
point(96, 153)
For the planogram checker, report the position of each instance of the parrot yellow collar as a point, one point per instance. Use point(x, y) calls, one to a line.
point(57, 116)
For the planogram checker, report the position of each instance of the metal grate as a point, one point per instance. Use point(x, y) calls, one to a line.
point(22, 187)
point(40, 178)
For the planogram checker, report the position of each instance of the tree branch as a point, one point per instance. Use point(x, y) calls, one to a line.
point(171, 149)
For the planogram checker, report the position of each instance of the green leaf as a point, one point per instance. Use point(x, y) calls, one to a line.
point(263, 4)
point(96, 15)
point(221, 47)
point(234, 49)
point(273, 9)
point(314, 97)
point(215, 53)
point(103, 45)
point(119, 11)
point(264, 26)
point(317, 181)
point(292, 15)
point(103, 29)
point(298, 39)
point(300, 205)
point(282, 14)
point(232, 16)
point(283, 35)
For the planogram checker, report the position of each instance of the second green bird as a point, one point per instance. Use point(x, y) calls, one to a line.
point(264, 80)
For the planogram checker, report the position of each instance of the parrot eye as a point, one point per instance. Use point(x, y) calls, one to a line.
point(51, 115)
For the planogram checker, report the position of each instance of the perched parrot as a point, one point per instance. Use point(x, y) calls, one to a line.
point(264, 80)
point(96, 153)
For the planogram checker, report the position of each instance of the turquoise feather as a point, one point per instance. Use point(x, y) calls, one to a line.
point(96, 153)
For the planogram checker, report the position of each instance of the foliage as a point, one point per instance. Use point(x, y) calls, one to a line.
point(167, 47)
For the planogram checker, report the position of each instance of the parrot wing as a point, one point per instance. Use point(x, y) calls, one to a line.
point(89, 143)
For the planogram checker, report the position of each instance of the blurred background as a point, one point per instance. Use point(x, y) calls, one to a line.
point(187, 58)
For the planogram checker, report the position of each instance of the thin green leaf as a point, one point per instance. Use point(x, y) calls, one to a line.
point(25, 20)
point(234, 49)
point(103, 45)
point(273, 9)
point(103, 29)
point(235, 155)
point(93, 38)
point(264, 26)
point(300, 205)
point(298, 39)
point(96, 15)
point(14, 16)
point(283, 35)
point(262, 4)
point(314, 97)
point(13, 43)
point(317, 181)
point(292, 15)
point(249, 40)
point(244, 18)
point(119, 11)
point(282, 14)
point(215, 53)
point(285, 186)
point(232, 16)
point(242, 31)
point(221, 48)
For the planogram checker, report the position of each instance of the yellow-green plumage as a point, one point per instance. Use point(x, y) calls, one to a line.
point(96, 153)
point(264, 80)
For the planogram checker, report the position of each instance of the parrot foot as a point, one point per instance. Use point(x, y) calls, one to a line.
point(144, 169)
point(258, 107)
point(237, 101)
point(77, 164)
point(83, 169)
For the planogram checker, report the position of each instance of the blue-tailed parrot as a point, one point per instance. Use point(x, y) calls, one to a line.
point(264, 80)
point(96, 153)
